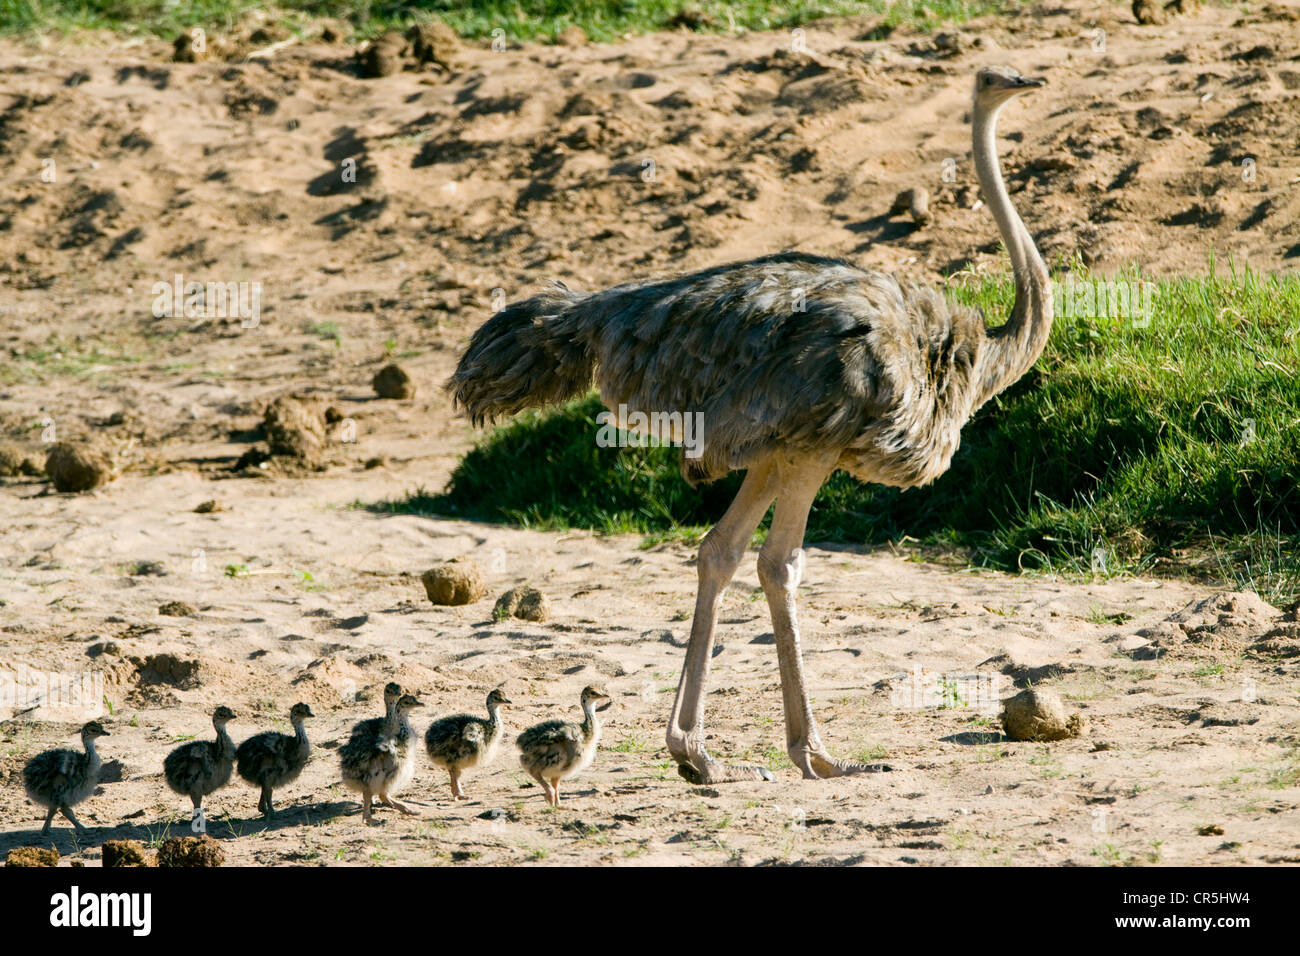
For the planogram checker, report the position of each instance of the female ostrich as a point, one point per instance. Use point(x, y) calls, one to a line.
point(800, 365)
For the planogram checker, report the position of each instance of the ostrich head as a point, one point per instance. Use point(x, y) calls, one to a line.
point(299, 712)
point(93, 730)
point(497, 698)
point(406, 703)
point(995, 85)
point(222, 716)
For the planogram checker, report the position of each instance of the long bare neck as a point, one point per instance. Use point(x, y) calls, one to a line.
point(224, 742)
point(1013, 347)
point(494, 718)
point(92, 755)
point(591, 722)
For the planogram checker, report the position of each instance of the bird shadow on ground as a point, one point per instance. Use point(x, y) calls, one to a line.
point(225, 827)
point(975, 738)
point(879, 229)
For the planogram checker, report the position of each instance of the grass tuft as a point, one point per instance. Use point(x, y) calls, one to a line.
point(1125, 449)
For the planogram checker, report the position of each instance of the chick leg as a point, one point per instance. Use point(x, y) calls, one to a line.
point(67, 812)
point(49, 818)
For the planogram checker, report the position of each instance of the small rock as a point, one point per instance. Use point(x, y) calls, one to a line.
point(294, 428)
point(916, 203)
point(436, 43)
point(32, 856)
point(496, 813)
point(79, 467)
point(459, 581)
point(1149, 13)
point(11, 460)
point(191, 852)
point(125, 853)
point(383, 56)
point(377, 462)
point(178, 609)
point(948, 44)
point(572, 36)
point(209, 507)
point(525, 603)
point(333, 415)
point(1210, 829)
point(1039, 715)
point(392, 381)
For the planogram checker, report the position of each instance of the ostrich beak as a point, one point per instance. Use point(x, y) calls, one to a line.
point(1030, 82)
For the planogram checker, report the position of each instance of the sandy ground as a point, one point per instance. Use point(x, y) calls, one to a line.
point(529, 163)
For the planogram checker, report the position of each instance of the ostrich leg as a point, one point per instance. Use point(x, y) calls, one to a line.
point(780, 568)
point(720, 553)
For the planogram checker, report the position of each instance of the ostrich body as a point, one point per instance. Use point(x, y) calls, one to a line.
point(799, 365)
point(60, 779)
point(556, 749)
point(201, 767)
point(463, 741)
point(378, 765)
point(270, 759)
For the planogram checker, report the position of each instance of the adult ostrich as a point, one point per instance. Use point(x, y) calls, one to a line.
point(799, 365)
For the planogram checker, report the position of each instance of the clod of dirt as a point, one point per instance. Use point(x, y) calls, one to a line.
point(1210, 829)
point(916, 203)
point(1039, 715)
point(11, 460)
point(294, 428)
point(177, 609)
point(80, 466)
point(1281, 643)
point(209, 507)
point(572, 36)
point(459, 581)
point(191, 851)
point(1149, 13)
point(393, 381)
point(436, 43)
point(168, 669)
point(525, 603)
point(32, 856)
point(382, 56)
point(125, 853)
point(1226, 622)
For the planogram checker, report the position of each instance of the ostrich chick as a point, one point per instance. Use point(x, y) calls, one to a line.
point(378, 765)
point(556, 749)
point(202, 767)
point(462, 742)
point(270, 759)
point(60, 779)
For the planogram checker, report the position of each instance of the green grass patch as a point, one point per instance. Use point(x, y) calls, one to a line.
point(1125, 449)
point(514, 19)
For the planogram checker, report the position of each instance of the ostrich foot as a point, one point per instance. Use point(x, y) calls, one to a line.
point(817, 764)
point(702, 769)
point(401, 807)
